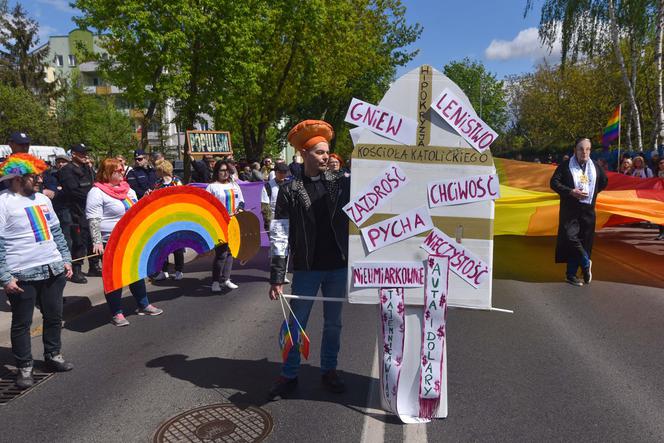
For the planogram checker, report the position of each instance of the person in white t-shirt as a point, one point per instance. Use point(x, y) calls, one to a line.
point(108, 200)
point(230, 195)
point(35, 263)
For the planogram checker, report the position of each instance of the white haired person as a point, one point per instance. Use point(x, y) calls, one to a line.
point(35, 263)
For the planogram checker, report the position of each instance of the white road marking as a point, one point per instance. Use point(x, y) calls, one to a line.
point(373, 430)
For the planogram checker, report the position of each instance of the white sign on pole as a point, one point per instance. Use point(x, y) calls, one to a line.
point(388, 183)
point(463, 119)
point(382, 121)
point(397, 228)
point(458, 191)
point(463, 262)
point(388, 274)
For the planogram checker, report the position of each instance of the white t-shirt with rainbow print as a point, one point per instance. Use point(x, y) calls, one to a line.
point(109, 209)
point(25, 226)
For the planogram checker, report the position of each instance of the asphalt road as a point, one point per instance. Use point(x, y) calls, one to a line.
point(571, 364)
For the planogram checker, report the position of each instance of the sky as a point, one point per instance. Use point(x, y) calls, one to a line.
point(491, 31)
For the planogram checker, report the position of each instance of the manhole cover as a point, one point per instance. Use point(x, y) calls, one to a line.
point(217, 423)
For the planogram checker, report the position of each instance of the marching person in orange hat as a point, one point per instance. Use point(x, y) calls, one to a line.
point(310, 225)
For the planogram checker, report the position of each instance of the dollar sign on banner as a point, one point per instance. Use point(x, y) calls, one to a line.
point(433, 335)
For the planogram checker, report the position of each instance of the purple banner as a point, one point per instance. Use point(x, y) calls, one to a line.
point(251, 191)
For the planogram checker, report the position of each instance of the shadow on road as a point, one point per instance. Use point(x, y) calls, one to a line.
point(253, 379)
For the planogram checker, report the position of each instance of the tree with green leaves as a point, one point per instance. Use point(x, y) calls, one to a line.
point(95, 121)
point(313, 58)
point(589, 26)
point(20, 64)
point(20, 110)
point(180, 50)
point(485, 92)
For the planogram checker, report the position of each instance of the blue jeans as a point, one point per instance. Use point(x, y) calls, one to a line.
point(574, 262)
point(138, 290)
point(333, 285)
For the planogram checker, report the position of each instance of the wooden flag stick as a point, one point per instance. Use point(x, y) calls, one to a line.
point(87, 256)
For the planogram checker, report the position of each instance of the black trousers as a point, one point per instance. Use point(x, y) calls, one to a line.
point(178, 255)
point(82, 244)
point(48, 295)
point(223, 263)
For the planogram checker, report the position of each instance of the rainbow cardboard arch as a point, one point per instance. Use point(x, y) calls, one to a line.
point(169, 219)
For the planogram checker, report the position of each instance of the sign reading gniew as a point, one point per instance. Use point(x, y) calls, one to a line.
point(382, 121)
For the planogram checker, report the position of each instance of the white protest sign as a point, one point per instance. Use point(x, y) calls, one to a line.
point(397, 228)
point(364, 204)
point(382, 121)
point(355, 134)
point(463, 263)
point(388, 274)
point(464, 120)
point(463, 190)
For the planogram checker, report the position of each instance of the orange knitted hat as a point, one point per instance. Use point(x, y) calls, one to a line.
point(306, 134)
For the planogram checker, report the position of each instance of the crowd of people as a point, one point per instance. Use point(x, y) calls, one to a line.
point(53, 217)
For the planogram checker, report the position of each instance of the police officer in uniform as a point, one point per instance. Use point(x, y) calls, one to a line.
point(76, 180)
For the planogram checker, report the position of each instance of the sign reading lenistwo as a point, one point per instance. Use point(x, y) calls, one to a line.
point(382, 121)
point(462, 190)
point(463, 263)
point(464, 120)
point(388, 182)
point(388, 274)
point(397, 228)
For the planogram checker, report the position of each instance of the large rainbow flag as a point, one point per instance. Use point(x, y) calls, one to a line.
point(612, 130)
point(528, 206)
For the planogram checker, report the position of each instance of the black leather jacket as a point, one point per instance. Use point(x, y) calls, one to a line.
point(293, 229)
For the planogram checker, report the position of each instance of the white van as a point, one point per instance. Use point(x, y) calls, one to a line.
point(46, 153)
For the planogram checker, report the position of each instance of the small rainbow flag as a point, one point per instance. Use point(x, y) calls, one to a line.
point(288, 337)
point(612, 130)
point(286, 341)
point(38, 223)
point(128, 203)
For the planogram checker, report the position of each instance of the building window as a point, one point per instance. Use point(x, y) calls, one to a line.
point(58, 60)
point(95, 81)
point(72, 60)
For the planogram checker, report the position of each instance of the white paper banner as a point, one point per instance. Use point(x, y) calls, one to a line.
point(433, 336)
point(380, 190)
point(458, 191)
point(463, 262)
point(392, 315)
point(397, 228)
point(463, 119)
point(382, 121)
point(388, 274)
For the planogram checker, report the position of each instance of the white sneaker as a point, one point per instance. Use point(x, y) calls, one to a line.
point(286, 281)
point(230, 285)
point(179, 275)
point(161, 276)
point(216, 287)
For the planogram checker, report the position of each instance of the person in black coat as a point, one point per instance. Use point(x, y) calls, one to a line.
point(578, 181)
point(142, 177)
point(202, 169)
point(76, 180)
